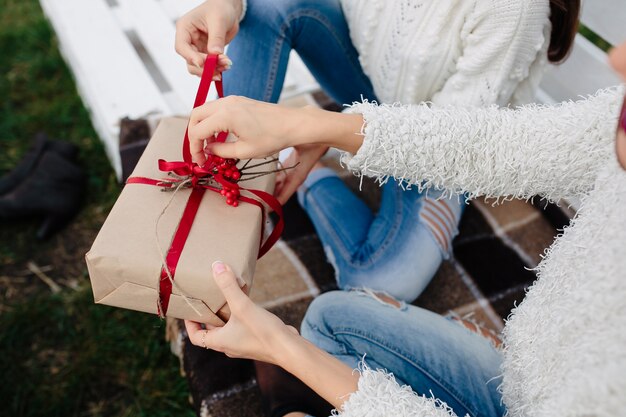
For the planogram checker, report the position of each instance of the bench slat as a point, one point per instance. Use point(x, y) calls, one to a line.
point(110, 76)
point(607, 18)
point(177, 8)
point(585, 72)
point(156, 31)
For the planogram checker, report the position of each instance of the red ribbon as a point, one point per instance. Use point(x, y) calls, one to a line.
point(189, 169)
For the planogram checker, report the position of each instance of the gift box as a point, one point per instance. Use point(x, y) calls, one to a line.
point(126, 259)
point(155, 250)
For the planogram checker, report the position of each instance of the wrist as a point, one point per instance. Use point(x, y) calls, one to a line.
point(322, 127)
point(284, 347)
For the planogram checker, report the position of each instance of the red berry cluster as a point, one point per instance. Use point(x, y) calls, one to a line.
point(228, 169)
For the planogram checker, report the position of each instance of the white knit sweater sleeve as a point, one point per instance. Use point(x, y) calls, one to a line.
point(504, 53)
point(379, 395)
point(552, 151)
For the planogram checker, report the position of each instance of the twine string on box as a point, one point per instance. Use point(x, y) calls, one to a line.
point(188, 174)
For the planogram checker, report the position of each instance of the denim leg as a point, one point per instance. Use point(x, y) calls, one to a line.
point(316, 29)
point(422, 349)
point(342, 230)
point(392, 251)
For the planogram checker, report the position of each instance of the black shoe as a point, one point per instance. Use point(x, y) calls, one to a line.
point(54, 189)
point(41, 144)
point(283, 393)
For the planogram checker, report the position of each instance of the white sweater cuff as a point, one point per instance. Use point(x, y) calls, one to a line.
point(379, 394)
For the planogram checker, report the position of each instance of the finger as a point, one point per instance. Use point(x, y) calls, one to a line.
point(197, 153)
point(200, 113)
point(222, 69)
point(293, 179)
point(217, 36)
point(293, 330)
point(192, 330)
point(202, 133)
point(224, 61)
point(207, 123)
point(194, 70)
point(229, 285)
point(279, 182)
point(199, 56)
point(203, 126)
point(227, 150)
point(288, 189)
point(183, 46)
point(199, 336)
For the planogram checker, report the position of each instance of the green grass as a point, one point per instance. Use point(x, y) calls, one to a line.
point(61, 355)
point(65, 356)
point(38, 93)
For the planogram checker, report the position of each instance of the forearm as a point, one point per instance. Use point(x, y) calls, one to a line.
point(322, 127)
point(326, 375)
point(553, 151)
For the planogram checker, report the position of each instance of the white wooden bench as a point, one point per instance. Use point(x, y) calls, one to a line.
point(121, 53)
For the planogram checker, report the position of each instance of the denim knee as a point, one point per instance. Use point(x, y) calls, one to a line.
point(311, 180)
point(402, 274)
point(403, 284)
point(319, 316)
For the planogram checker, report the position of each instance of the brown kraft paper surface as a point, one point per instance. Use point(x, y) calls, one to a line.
point(124, 262)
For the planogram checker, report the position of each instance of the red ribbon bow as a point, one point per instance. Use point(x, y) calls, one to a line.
point(189, 170)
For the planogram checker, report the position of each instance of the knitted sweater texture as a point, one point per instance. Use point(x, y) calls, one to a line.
point(474, 52)
point(565, 343)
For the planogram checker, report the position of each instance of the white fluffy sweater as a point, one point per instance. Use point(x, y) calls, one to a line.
point(474, 52)
point(565, 344)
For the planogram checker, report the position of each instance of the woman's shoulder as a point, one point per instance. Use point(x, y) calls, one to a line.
point(512, 10)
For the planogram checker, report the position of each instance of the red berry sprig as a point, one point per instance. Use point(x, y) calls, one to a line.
point(227, 168)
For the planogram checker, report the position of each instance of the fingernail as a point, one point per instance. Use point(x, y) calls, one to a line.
point(241, 281)
point(229, 62)
point(217, 77)
point(218, 267)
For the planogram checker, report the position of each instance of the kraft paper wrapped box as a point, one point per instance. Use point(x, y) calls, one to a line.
point(125, 260)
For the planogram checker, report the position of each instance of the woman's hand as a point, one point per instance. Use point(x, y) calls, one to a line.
point(206, 30)
point(263, 129)
point(302, 159)
point(251, 332)
point(254, 333)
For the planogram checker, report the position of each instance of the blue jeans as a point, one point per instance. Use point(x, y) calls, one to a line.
point(429, 352)
point(316, 29)
point(391, 251)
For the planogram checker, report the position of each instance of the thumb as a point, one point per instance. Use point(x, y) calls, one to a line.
point(229, 285)
point(217, 37)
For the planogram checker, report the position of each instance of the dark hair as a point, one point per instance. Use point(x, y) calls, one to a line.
point(564, 19)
